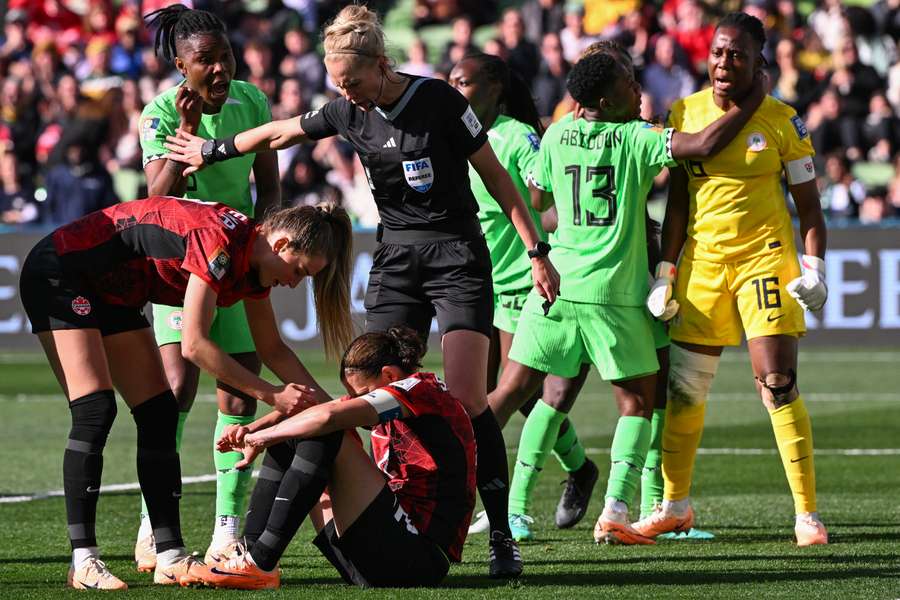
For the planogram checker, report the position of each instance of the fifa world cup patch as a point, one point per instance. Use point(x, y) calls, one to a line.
point(218, 263)
point(471, 122)
point(81, 306)
point(799, 127)
point(419, 174)
point(176, 320)
point(534, 140)
point(148, 128)
point(756, 142)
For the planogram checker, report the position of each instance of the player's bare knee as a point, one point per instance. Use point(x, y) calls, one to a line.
point(778, 389)
point(690, 377)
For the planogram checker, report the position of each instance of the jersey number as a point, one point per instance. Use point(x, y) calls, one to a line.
point(607, 192)
point(767, 293)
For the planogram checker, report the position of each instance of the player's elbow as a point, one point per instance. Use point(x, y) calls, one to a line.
point(192, 348)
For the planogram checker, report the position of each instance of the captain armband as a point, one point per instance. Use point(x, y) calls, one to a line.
point(800, 170)
point(385, 404)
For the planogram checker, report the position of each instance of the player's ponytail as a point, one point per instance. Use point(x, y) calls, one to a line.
point(178, 22)
point(323, 230)
point(515, 95)
point(398, 346)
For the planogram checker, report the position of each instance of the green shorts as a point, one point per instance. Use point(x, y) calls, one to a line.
point(229, 329)
point(660, 334)
point(618, 340)
point(507, 307)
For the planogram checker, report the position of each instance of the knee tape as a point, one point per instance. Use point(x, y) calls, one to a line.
point(690, 375)
point(92, 418)
point(780, 385)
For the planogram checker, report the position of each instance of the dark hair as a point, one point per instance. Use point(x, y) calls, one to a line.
point(591, 77)
point(178, 22)
point(514, 93)
point(747, 24)
point(398, 346)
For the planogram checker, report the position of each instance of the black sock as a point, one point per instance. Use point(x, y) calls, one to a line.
point(159, 468)
point(492, 474)
point(301, 487)
point(92, 418)
point(277, 460)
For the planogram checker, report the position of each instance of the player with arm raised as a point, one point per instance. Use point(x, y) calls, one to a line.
point(738, 274)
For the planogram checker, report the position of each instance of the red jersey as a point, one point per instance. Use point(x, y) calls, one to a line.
point(429, 459)
point(146, 250)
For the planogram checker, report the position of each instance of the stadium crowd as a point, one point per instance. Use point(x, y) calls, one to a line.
point(76, 76)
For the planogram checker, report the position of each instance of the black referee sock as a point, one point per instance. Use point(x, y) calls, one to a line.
point(492, 474)
point(300, 489)
point(277, 460)
point(159, 468)
point(92, 418)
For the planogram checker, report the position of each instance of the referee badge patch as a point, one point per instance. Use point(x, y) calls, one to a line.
point(218, 263)
point(471, 122)
point(799, 126)
point(419, 174)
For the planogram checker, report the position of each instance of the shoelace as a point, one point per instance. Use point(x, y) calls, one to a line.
point(572, 493)
point(98, 566)
point(521, 520)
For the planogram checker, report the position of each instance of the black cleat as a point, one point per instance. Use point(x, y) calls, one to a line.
point(506, 560)
point(575, 498)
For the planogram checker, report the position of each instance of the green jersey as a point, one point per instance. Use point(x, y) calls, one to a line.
point(516, 146)
point(600, 174)
point(227, 182)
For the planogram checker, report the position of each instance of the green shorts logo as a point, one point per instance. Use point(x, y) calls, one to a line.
point(176, 319)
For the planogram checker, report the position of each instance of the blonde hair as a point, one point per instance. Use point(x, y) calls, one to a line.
point(323, 230)
point(355, 31)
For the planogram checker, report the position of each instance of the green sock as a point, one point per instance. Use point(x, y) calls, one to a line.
point(651, 476)
point(179, 431)
point(231, 484)
point(538, 436)
point(568, 450)
point(628, 454)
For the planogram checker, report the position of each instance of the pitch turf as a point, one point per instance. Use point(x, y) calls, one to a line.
point(740, 494)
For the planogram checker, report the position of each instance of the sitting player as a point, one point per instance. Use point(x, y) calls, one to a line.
point(396, 522)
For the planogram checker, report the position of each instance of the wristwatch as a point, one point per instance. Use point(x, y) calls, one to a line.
point(540, 250)
point(208, 152)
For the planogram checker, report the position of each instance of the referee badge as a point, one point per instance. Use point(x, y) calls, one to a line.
point(419, 174)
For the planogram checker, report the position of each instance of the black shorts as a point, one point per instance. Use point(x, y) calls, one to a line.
point(54, 299)
point(382, 549)
point(446, 276)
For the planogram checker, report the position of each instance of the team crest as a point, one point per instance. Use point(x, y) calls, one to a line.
point(756, 142)
point(176, 320)
point(81, 306)
point(148, 127)
point(218, 263)
point(419, 174)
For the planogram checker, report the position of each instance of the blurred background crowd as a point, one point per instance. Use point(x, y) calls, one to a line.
point(77, 73)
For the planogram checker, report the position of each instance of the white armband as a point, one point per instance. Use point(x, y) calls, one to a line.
point(384, 403)
point(800, 170)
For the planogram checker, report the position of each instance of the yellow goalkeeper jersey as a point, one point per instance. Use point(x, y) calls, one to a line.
point(737, 206)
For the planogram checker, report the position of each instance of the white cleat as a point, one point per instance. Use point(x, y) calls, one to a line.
point(481, 524)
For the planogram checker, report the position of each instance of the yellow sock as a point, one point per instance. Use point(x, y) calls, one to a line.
point(793, 434)
point(681, 437)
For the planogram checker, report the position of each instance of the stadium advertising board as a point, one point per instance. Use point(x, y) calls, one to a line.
point(863, 275)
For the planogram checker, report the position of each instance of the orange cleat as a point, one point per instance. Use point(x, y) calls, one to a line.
point(662, 521)
point(145, 554)
point(810, 531)
point(187, 568)
point(92, 574)
point(239, 573)
point(613, 528)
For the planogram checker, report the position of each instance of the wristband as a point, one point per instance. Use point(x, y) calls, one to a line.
point(665, 270)
point(213, 151)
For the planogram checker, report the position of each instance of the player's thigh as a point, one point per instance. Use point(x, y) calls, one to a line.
point(561, 392)
point(548, 343)
point(355, 482)
point(465, 368)
point(78, 360)
point(618, 340)
point(764, 304)
point(708, 313)
point(233, 401)
point(135, 365)
point(183, 375)
point(518, 385)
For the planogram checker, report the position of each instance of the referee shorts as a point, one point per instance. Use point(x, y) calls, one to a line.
point(54, 299)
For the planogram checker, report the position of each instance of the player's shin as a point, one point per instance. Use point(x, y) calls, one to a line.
point(627, 455)
point(537, 439)
point(231, 484)
point(275, 464)
point(492, 474)
point(651, 476)
point(568, 449)
point(793, 434)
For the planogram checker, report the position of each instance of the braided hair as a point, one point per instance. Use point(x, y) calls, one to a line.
point(178, 22)
point(514, 92)
point(747, 24)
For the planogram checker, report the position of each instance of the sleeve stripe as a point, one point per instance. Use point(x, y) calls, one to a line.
point(669, 134)
point(800, 170)
point(384, 403)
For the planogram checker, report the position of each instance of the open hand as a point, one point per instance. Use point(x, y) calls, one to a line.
point(184, 147)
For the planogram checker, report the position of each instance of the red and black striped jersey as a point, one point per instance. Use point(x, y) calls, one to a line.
point(146, 250)
point(429, 458)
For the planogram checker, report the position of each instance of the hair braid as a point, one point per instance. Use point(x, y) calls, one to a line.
point(178, 22)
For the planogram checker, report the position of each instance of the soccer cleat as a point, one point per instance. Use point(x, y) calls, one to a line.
point(520, 526)
point(506, 560)
point(810, 531)
point(613, 528)
point(663, 520)
point(221, 550)
point(575, 498)
point(186, 570)
point(145, 553)
point(691, 534)
point(238, 572)
point(92, 574)
point(481, 524)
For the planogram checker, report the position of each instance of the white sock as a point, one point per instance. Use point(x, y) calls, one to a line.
point(167, 558)
point(813, 515)
point(679, 507)
point(227, 527)
point(146, 529)
point(616, 506)
point(79, 555)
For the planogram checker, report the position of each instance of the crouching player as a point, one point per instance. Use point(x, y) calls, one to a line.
point(396, 522)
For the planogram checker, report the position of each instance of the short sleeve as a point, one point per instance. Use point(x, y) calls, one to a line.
point(675, 118)
point(528, 149)
point(652, 144)
point(264, 111)
point(541, 168)
point(156, 123)
point(795, 140)
point(208, 256)
point(462, 128)
point(329, 120)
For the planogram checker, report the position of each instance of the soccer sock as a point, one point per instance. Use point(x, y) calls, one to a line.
point(277, 460)
point(231, 484)
point(568, 449)
point(92, 418)
point(300, 489)
point(681, 438)
point(651, 476)
point(492, 472)
point(627, 455)
point(159, 468)
point(179, 432)
point(538, 436)
point(793, 434)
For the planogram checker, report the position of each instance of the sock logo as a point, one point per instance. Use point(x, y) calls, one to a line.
point(93, 490)
point(796, 460)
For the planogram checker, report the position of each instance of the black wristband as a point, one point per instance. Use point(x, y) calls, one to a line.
point(217, 150)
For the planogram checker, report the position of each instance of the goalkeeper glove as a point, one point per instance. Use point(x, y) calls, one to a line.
point(810, 289)
point(659, 301)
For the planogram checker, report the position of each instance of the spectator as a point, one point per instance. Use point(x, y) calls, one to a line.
point(495, 47)
point(830, 129)
point(417, 59)
point(17, 205)
point(854, 83)
point(893, 191)
point(290, 104)
point(573, 39)
point(693, 33)
point(125, 59)
point(633, 35)
point(15, 42)
point(875, 207)
point(94, 72)
point(303, 64)
point(880, 129)
point(792, 84)
point(304, 182)
point(258, 62)
point(19, 114)
point(875, 50)
point(542, 16)
point(600, 15)
point(813, 56)
point(460, 43)
point(828, 23)
point(665, 80)
point(550, 84)
point(842, 194)
point(893, 90)
point(522, 56)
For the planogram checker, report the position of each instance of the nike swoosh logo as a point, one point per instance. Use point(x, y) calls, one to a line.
point(794, 460)
point(670, 451)
point(172, 577)
point(96, 586)
point(770, 318)
point(282, 499)
point(92, 490)
point(216, 571)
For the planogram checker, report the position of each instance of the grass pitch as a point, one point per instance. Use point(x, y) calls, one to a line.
point(740, 494)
